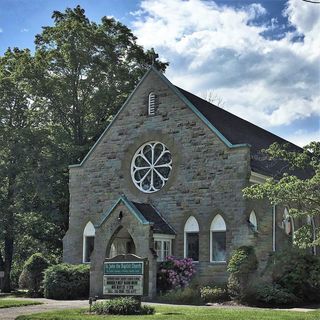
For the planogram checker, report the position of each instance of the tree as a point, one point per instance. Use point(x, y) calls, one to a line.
point(53, 106)
point(301, 194)
point(214, 98)
point(19, 149)
point(85, 71)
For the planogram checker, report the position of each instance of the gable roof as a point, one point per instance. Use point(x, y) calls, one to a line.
point(233, 131)
point(123, 199)
point(152, 215)
point(181, 96)
point(145, 213)
point(239, 131)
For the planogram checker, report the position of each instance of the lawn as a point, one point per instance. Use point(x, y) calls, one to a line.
point(188, 313)
point(10, 303)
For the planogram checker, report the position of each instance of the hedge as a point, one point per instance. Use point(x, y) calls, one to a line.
point(66, 281)
point(122, 305)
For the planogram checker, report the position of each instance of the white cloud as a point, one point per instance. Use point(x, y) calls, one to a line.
point(24, 30)
point(303, 16)
point(1, 30)
point(271, 82)
point(303, 137)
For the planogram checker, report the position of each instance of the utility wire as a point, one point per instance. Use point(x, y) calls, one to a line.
point(312, 1)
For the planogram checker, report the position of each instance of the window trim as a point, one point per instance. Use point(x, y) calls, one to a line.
point(152, 167)
point(285, 216)
point(253, 217)
point(88, 231)
point(196, 229)
point(164, 237)
point(212, 230)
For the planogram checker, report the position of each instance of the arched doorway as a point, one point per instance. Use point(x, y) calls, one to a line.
point(120, 243)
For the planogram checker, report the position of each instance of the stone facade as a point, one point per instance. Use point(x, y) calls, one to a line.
point(206, 179)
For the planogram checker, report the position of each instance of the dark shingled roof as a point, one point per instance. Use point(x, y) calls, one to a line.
point(239, 131)
point(151, 215)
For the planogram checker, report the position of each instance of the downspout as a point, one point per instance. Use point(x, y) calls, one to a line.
point(274, 228)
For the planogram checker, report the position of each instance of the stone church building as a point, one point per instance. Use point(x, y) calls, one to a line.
point(166, 178)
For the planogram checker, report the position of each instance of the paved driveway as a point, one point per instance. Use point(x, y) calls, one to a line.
point(12, 313)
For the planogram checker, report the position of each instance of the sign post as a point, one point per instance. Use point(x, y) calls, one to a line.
point(125, 275)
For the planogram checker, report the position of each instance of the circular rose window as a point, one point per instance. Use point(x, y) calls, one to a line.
point(151, 166)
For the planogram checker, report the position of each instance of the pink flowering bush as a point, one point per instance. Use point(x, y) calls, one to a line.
point(175, 273)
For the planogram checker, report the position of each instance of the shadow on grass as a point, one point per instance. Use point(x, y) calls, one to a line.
point(172, 313)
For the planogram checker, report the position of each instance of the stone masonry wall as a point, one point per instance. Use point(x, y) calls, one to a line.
point(206, 179)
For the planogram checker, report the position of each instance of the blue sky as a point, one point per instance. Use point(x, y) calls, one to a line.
point(258, 59)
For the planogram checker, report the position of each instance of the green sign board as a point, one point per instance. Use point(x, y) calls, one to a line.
point(123, 268)
point(125, 275)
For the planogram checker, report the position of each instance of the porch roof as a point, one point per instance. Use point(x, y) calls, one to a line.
point(144, 212)
point(154, 217)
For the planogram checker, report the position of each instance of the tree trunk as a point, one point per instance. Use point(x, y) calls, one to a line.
point(9, 234)
point(8, 249)
point(1, 261)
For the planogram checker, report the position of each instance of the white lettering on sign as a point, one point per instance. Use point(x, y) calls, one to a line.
point(123, 285)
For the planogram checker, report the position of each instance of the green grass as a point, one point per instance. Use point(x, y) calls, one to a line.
point(188, 313)
point(10, 303)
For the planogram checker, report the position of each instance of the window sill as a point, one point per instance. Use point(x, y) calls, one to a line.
point(88, 262)
point(218, 262)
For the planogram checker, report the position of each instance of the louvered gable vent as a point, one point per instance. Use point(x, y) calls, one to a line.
point(152, 104)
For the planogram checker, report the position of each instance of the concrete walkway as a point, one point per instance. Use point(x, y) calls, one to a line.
point(50, 305)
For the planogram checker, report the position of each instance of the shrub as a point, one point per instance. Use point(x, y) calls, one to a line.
point(298, 272)
point(66, 281)
point(274, 294)
point(175, 273)
point(242, 261)
point(234, 287)
point(23, 280)
point(213, 294)
point(186, 295)
point(242, 265)
point(294, 277)
point(31, 276)
point(123, 305)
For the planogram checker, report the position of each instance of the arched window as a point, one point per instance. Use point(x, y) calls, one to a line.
point(253, 221)
point(218, 241)
point(191, 239)
point(288, 223)
point(310, 222)
point(88, 241)
point(152, 104)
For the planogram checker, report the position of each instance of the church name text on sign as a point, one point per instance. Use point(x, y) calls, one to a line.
point(123, 278)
